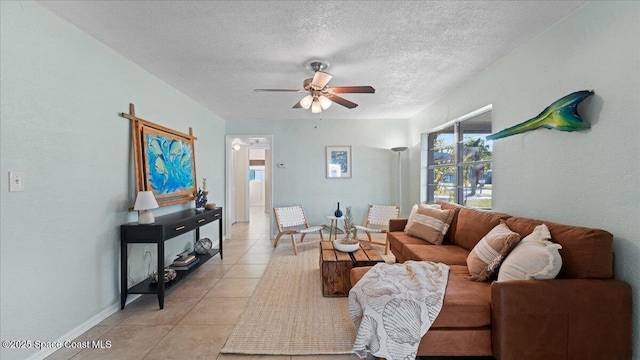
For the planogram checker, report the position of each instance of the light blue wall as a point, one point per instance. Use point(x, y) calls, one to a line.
point(301, 145)
point(585, 178)
point(61, 92)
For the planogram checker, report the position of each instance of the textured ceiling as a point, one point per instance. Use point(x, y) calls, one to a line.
point(217, 52)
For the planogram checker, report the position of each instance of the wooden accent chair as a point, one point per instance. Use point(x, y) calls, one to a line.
point(378, 222)
point(291, 220)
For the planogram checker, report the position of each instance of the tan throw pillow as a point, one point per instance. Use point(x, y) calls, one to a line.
point(430, 224)
point(485, 258)
point(535, 257)
point(414, 210)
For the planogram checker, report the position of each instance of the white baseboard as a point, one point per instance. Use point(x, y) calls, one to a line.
point(82, 328)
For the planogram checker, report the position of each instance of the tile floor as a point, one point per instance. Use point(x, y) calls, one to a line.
point(199, 313)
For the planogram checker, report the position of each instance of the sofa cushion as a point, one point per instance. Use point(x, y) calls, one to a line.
point(430, 224)
point(485, 258)
point(466, 303)
point(398, 239)
point(452, 227)
point(473, 224)
point(414, 211)
point(535, 257)
point(448, 254)
point(586, 252)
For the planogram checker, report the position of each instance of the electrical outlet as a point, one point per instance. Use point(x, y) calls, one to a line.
point(16, 181)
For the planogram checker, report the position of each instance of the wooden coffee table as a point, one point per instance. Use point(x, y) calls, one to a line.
point(336, 266)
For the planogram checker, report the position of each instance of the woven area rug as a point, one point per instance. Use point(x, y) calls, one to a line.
point(287, 314)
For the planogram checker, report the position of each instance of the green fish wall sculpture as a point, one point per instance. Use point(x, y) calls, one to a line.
point(561, 115)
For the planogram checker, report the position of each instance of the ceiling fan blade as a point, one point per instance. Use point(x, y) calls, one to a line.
point(353, 89)
point(279, 90)
point(342, 101)
point(320, 80)
point(297, 105)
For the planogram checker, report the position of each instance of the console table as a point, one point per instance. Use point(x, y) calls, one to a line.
point(165, 228)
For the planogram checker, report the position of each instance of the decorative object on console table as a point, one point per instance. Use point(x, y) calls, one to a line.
point(189, 266)
point(202, 246)
point(169, 274)
point(144, 202)
point(184, 261)
point(201, 200)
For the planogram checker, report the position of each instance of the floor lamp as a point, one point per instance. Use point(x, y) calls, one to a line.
point(399, 150)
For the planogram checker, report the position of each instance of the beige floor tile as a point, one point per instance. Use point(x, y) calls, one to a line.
point(191, 342)
point(126, 342)
point(230, 287)
point(90, 335)
point(120, 316)
point(266, 248)
point(144, 302)
point(245, 271)
point(254, 259)
point(229, 259)
point(215, 311)
point(174, 310)
point(193, 287)
point(211, 270)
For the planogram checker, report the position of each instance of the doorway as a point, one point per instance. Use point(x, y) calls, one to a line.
point(248, 178)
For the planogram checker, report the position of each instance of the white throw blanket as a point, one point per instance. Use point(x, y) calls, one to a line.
point(393, 306)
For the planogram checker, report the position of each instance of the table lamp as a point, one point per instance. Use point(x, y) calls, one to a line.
point(145, 201)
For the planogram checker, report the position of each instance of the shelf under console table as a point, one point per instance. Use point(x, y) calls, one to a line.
point(164, 228)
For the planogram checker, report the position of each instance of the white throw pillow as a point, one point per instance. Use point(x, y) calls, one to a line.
point(535, 257)
point(414, 210)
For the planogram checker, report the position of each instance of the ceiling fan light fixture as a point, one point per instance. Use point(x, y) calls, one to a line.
point(306, 102)
point(320, 80)
point(324, 101)
point(316, 108)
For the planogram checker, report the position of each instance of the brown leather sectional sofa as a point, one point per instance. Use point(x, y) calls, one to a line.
point(582, 314)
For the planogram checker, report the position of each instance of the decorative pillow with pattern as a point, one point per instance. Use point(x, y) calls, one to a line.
point(430, 224)
point(414, 210)
point(485, 258)
point(535, 257)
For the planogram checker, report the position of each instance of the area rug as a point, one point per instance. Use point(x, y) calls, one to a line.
point(287, 314)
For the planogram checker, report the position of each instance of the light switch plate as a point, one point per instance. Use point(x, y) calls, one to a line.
point(16, 181)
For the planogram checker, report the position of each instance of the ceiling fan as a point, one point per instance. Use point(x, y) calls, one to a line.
point(320, 96)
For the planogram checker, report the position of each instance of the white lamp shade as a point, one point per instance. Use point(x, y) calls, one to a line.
point(315, 107)
point(320, 80)
point(325, 103)
point(306, 102)
point(145, 201)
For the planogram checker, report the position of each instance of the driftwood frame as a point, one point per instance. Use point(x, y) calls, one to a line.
point(141, 131)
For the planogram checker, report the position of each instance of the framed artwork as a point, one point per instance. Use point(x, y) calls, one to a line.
point(164, 161)
point(168, 163)
point(339, 162)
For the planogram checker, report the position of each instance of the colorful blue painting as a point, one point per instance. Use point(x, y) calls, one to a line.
point(170, 164)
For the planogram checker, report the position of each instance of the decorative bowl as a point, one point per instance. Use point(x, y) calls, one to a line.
point(338, 245)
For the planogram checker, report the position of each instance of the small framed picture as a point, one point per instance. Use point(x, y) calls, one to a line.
point(338, 162)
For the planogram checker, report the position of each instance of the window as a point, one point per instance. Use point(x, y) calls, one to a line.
point(456, 161)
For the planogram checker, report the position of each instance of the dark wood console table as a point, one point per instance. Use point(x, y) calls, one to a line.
point(165, 228)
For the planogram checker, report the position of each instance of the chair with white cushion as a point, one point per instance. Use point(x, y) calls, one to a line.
point(291, 220)
point(377, 221)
